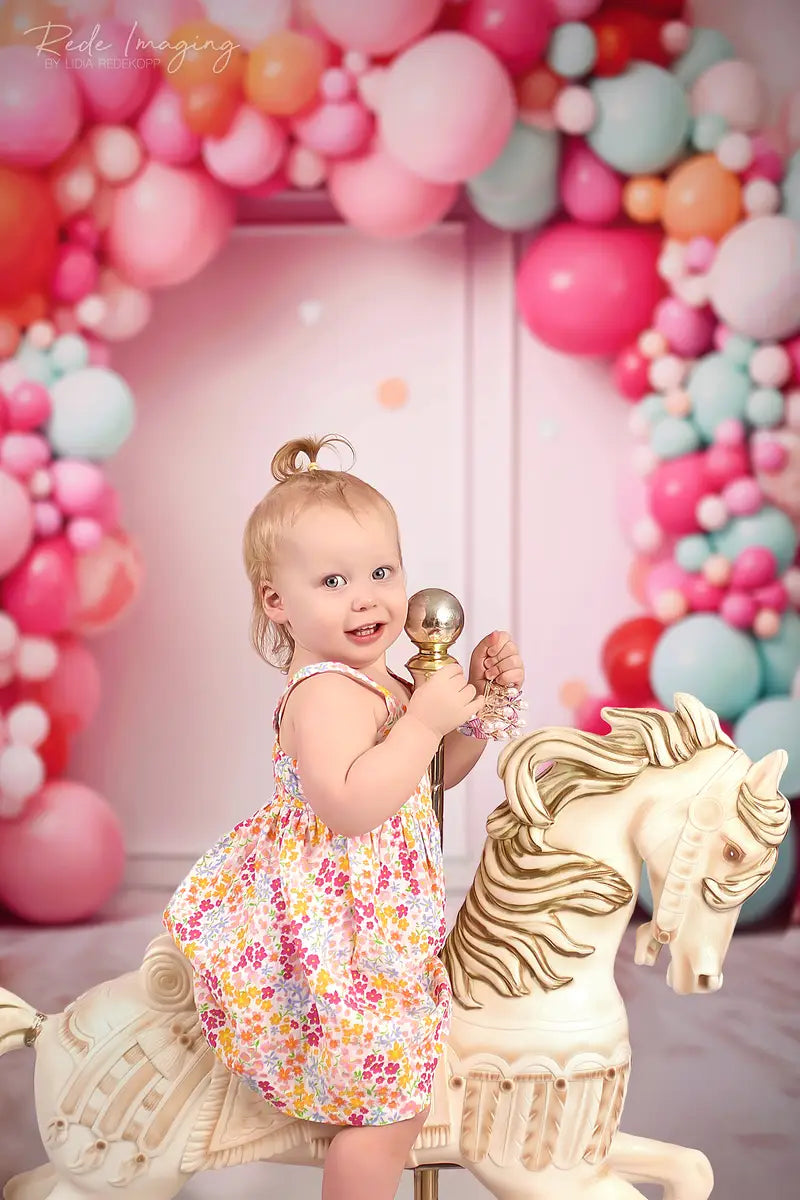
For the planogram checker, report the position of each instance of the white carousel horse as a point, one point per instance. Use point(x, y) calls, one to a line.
point(131, 1101)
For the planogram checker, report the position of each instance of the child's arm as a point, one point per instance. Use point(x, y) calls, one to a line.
point(352, 784)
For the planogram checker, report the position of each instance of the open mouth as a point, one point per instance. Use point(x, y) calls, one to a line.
point(365, 633)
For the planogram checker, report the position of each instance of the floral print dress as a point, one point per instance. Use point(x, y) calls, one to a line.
point(315, 955)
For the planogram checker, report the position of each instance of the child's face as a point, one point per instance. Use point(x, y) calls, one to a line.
point(336, 573)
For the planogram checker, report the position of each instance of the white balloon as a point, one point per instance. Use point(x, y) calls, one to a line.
point(37, 658)
point(28, 724)
point(21, 776)
point(250, 21)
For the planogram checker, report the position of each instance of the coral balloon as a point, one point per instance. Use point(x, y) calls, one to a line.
point(108, 581)
point(283, 73)
point(28, 234)
point(447, 108)
point(643, 198)
point(626, 656)
point(587, 290)
point(377, 195)
point(209, 109)
point(40, 110)
point(701, 199)
point(754, 282)
point(167, 224)
point(63, 857)
point(210, 55)
point(16, 522)
point(40, 594)
point(375, 28)
point(517, 31)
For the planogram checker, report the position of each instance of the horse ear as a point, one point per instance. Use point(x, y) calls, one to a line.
point(765, 775)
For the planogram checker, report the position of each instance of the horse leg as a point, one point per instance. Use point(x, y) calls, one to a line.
point(31, 1185)
point(685, 1174)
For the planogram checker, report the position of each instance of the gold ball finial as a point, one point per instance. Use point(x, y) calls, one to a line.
point(435, 619)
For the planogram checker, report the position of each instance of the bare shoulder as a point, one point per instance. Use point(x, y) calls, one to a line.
point(333, 702)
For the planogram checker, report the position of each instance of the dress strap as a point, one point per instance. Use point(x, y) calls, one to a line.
point(392, 702)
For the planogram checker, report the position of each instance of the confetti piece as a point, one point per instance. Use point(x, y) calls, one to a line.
point(573, 693)
point(310, 311)
point(548, 430)
point(393, 393)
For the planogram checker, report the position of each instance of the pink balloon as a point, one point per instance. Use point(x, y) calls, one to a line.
point(40, 109)
point(71, 695)
point(575, 10)
point(689, 331)
point(738, 609)
point(63, 857)
point(250, 151)
point(702, 595)
point(754, 281)
point(75, 273)
point(724, 463)
point(27, 406)
point(78, 486)
point(665, 576)
point(166, 224)
point(23, 453)
point(587, 714)
point(128, 308)
point(335, 130)
point(732, 89)
point(113, 91)
point(632, 373)
point(447, 108)
point(156, 19)
point(163, 130)
point(517, 31)
point(587, 290)
point(590, 189)
point(754, 567)
point(108, 580)
point(377, 195)
point(16, 522)
point(40, 594)
point(376, 28)
point(676, 488)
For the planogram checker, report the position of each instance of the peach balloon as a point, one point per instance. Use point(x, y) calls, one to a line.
point(702, 199)
point(283, 73)
point(209, 109)
point(108, 581)
point(202, 52)
point(643, 198)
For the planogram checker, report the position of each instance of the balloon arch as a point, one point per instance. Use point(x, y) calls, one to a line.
point(668, 240)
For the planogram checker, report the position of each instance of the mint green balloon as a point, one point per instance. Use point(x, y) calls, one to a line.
point(519, 190)
point(739, 349)
point(692, 552)
point(93, 414)
point(708, 46)
point(709, 658)
point(781, 656)
point(790, 188)
point(35, 364)
point(765, 407)
point(774, 724)
point(643, 119)
point(718, 391)
point(572, 51)
point(708, 131)
point(769, 527)
point(69, 352)
point(652, 407)
point(674, 436)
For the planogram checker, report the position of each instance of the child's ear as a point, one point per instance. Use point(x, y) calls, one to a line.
point(272, 603)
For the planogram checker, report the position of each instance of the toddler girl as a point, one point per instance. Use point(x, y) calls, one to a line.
point(314, 926)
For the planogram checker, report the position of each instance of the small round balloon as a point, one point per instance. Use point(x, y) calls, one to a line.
point(773, 724)
point(703, 655)
point(754, 282)
point(93, 413)
point(643, 120)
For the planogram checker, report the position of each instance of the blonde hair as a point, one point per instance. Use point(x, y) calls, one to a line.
point(296, 489)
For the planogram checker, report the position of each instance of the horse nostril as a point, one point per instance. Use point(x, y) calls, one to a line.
point(704, 982)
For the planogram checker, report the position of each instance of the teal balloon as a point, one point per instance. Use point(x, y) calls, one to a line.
point(708, 131)
point(769, 897)
point(93, 414)
point(719, 391)
point(573, 50)
point(765, 407)
point(69, 352)
point(520, 188)
point(780, 656)
point(35, 364)
point(739, 349)
point(773, 724)
point(673, 436)
point(790, 188)
point(710, 659)
point(692, 552)
point(708, 46)
point(769, 527)
point(652, 407)
point(642, 119)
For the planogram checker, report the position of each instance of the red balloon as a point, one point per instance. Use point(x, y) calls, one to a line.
point(54, 751)
point(41, 594)
point(626, 656)
point(28, 234)
point(641, 30)
point(589, 290)
point(667, 10)
point(614, 49)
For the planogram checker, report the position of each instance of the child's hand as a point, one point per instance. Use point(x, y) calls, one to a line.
point(445, 700)
point(496, 658)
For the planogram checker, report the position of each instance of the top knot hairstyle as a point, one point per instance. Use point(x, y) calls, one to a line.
point(301, 481)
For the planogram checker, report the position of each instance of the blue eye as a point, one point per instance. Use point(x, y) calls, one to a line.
point(327, 581)
point(376, 573)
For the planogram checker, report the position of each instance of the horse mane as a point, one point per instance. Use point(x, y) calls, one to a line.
point(507, 932)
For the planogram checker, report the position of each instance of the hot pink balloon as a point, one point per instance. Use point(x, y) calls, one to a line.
point(335, 130)
point(75, 273)
point(166, 224)
point(27, 406)
point(589, 291)
point(164, 131)
point(71, 695)
point(63, 857)
point(40, 594)
point(676, 488)
point(517, 31)
point(632, 373)
point(376, 28)
point(447, 108)
point(249, 152)
point(78, 486)
point(702, 595)
point(114, 91)
point(754, 567)
point(377, 195)
point(590, 189)
point(725, 463)
point(156, 19)
point(16, 522)
point(40, 108)
point(689, 331)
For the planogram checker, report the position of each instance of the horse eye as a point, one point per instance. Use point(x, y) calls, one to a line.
point(732, 853)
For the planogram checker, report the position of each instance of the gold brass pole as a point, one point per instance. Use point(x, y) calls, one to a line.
point(435, 619)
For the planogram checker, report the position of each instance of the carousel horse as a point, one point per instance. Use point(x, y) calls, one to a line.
point(131, 1101)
